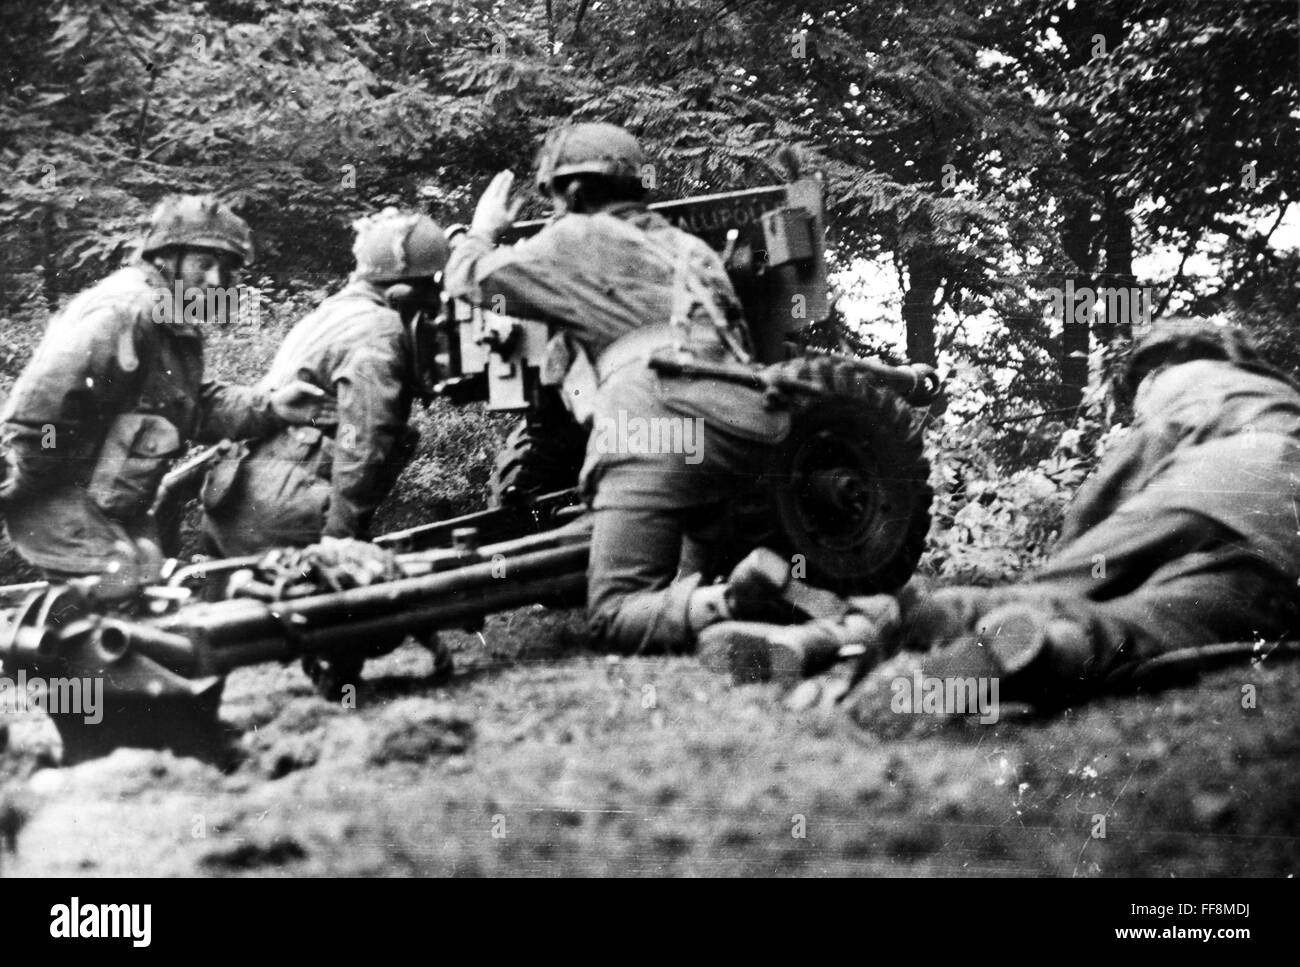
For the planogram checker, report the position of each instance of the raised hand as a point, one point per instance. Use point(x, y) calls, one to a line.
point(495, 211)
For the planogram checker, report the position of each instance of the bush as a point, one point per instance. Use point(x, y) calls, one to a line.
point(450, 471)
point(991, 523)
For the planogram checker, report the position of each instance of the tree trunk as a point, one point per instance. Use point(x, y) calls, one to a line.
point(1119, 265)
point(1076, 240)
point(918, 306)
point(924, 270)
point(1079, 233)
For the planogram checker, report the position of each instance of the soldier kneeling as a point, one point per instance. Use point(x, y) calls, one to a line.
point(622, 285)
point(116, 391)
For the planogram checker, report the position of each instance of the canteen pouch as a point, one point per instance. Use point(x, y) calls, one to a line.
point(136, 453)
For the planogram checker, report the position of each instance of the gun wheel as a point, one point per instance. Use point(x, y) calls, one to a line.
point(847, 493)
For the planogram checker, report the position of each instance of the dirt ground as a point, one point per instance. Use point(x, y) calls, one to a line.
point(543, 758)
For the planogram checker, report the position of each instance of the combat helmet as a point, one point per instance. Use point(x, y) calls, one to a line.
point(1183, 339)
point(1178, 340)
point(591, 148)
point(198, 221)
point(393, 244)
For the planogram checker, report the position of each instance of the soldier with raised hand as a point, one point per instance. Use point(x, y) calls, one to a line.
point(1186, 535)
point(621, 284)
point(116, 390)
point(300, 484)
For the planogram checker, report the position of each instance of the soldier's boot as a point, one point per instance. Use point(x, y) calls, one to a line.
point(761, 588)
point(1039, 657)
point(752, 651)
point(753, 589)
point(757, 587)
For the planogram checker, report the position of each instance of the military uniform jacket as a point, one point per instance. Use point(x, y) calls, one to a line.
point(300, 484)
point(1213, 438)
point(113, 393)
point(600, 277)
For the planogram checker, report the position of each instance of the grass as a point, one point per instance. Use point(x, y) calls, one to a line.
point(542, 758)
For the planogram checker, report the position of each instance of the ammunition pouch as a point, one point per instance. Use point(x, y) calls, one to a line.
point(132, 461)
point(293, 459)
point(729, 407)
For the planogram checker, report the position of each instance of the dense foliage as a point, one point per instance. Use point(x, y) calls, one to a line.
point(987, 152)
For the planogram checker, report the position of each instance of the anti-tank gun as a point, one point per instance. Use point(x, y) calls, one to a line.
point(847, 490)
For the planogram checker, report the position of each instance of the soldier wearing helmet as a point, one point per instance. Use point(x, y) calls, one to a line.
point(1184, 536)
point(620, 284)
point(115, 391)
point(302, 484)
point(610, 157)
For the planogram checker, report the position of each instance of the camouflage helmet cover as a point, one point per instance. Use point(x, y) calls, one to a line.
point(393, 244)
point(198, 221)
point(1179, 340)
point(592, 148)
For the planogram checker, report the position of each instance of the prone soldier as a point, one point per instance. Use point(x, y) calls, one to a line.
point(1185, 536)
point(115, 391)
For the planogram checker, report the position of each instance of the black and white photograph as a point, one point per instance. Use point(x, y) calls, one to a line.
point(681, 438)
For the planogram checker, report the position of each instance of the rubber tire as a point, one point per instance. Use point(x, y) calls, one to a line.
point(877, 549)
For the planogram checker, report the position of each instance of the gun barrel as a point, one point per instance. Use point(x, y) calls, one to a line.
point(216, 638)
point(916, 383)
point(539, 514)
